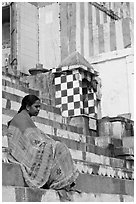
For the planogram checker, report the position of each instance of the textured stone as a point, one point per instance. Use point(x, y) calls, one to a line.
point(18, 194)
point(12, 175)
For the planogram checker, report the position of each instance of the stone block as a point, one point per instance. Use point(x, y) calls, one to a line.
point(8, 194)
point(104, 127)
point(12, 175)
point(80, 121)
point(102, 141)
point(102, 184)
point(116, 127)
point(123, 151)
point(92, 124)
point(128, 142)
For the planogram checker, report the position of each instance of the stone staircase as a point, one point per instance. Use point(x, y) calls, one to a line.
point(105, 175)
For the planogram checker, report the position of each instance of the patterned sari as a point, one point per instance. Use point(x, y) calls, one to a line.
point(42, 159)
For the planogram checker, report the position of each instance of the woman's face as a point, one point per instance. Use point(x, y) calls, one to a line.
point(34, 109)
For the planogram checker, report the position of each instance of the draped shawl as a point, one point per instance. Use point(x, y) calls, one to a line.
point(42, 159)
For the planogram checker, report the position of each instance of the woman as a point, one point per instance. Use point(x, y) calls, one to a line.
point(44, 161)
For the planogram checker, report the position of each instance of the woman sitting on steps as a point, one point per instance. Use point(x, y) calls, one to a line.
point(44, 162)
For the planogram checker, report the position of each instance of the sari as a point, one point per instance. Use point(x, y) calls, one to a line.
point(43, 160)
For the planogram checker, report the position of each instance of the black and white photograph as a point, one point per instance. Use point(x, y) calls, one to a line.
point(67, 101)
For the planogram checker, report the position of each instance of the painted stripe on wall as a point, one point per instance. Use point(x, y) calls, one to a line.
point(68, 26)
point(92, 39)
point(108, 19)
point(119, 37)
point(112, 5)
point(90, 30)
point(93, 16)
point(101, 38)
point(90, 18)
point(105, 17)
point(82, 24)
point(72, 15)
point(63, 32)
point(126, 32)
point(124, 10)
point(132, 10)
point(78, 44)
point(95, 40)
point(101, 17)
point(112, 36)
point(128, 8)
point(86, 33)
point(13, 91)
point(106, 30)
point(97, 16)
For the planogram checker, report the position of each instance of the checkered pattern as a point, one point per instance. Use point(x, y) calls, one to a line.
point(90, 104)
point(69, 95)
point(72, 67)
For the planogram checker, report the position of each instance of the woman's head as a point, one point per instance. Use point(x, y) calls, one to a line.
point(31, 104)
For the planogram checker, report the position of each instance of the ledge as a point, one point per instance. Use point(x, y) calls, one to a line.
point(12, 176)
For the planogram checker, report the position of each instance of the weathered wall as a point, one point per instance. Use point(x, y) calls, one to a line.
point(43, 83)
point(67, 28)
point(27, 36)
point(49, 36)
point(122, 9)
point(117, 74)
point(85, 28)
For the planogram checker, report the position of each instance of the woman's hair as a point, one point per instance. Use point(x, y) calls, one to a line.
point(28, 100)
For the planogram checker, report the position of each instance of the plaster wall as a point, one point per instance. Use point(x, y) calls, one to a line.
point(49, 39)
point(117, 77)
point(27, 36)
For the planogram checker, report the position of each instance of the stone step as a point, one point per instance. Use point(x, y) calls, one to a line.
point(48, 116)
point(17, 92)
point(25, 194)
point(117, 127)
point(80, 152)
point(78, 147)
point(40, 120)
point(12, 174)
point(10, 87)
point(11, 83)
